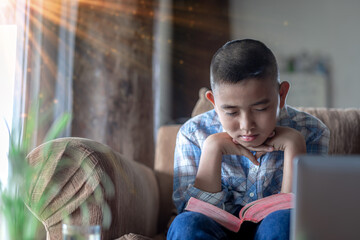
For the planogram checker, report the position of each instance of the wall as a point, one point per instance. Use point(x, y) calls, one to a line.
point(328, 27)
point(112, 81)
point(186, 35)
point(199, 28)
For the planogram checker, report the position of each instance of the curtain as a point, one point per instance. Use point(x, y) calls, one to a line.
point(45, 65)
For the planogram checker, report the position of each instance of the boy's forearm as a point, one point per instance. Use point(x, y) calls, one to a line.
point(289, 154)
point(208, 177)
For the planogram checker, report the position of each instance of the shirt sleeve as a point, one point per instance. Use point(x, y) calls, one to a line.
point(186, 162)
point(318, 141)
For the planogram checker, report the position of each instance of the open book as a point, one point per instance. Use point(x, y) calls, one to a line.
point(254, 211)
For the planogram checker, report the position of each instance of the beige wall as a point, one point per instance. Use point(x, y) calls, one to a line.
point(328, 27)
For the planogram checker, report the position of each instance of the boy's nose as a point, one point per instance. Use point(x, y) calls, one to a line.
point(246, 122)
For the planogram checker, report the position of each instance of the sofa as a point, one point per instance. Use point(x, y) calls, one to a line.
point(140, 203)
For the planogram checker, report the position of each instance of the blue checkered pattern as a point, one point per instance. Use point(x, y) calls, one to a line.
point(242, 181)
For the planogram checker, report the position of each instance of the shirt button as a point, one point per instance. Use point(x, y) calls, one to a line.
point(251, 194)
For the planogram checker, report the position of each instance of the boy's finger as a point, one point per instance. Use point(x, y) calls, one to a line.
point(251, 157)
point(272, 134)
point(259, 154)
point(263, 148)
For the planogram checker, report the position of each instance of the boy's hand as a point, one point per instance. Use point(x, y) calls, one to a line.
point(286, 138)
point(227, 146)
point(292, 143)
point(208, 177)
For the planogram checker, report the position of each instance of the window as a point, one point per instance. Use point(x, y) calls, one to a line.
point(7, 76)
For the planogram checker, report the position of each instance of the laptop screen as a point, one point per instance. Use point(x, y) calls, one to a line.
point(327, 197)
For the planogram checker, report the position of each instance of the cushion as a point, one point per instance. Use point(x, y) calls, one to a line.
point(164, 171)
point(202, 105)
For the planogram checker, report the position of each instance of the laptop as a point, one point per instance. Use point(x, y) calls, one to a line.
point(327, 198)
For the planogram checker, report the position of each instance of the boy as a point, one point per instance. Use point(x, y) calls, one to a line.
point(243, 149)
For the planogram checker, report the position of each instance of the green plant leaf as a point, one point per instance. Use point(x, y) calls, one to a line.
point(57, 127)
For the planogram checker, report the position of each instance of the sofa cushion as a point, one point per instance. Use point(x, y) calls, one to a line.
point(164, 171)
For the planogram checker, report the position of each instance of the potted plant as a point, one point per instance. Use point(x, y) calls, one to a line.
point(18, 222)
point(16, 219)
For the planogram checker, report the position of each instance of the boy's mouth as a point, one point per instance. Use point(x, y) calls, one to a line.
point(248, 138)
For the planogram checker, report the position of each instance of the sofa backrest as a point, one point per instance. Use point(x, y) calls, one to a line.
point(164, 171)
point(344, 125)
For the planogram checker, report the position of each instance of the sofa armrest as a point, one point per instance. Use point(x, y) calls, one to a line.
point(134, 205)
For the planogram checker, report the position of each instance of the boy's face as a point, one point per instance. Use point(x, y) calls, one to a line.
point(248, 110)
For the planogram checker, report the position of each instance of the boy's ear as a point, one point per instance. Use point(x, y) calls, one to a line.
point(210, 96)
point(283, 91)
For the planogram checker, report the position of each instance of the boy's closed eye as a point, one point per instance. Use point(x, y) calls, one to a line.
point(261, 109)
point(231, 113)
point(262, 105)
point(258, 109)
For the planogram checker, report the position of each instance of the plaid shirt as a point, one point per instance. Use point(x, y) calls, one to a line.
point(242, 182)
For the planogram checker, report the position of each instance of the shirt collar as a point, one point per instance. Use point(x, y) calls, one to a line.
point(283, 113)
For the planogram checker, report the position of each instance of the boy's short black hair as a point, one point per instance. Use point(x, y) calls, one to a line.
point(239, 60)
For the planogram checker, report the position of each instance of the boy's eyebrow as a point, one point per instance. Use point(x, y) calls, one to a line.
point(264, 101)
